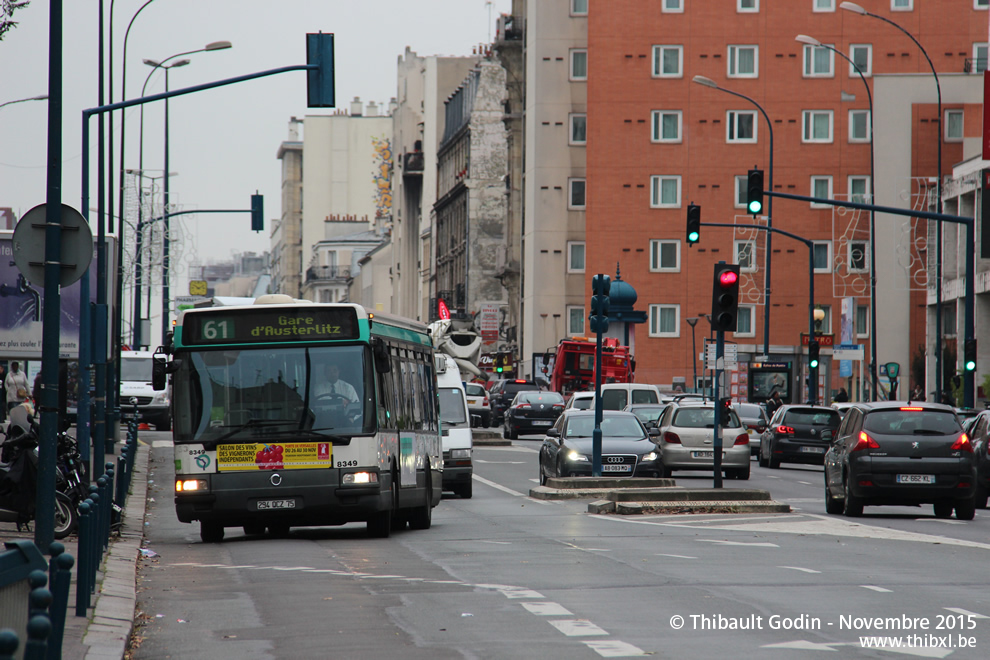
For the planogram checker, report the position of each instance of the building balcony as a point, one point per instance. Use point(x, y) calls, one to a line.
point(327, 274)
point(975, 65)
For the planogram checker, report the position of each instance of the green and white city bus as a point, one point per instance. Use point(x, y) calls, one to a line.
point(289, 413)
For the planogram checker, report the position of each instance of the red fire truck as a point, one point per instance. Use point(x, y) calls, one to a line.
point(573, 368)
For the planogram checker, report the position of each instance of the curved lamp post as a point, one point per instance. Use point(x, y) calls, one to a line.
point(811, 41)
point(856, 9)
point(693, 321)
point(708, 82)
point(42, 97)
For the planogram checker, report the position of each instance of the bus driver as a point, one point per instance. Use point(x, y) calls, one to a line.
point(333, 385)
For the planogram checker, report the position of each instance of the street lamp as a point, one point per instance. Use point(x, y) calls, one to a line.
point(693, 321)
point(42, 97)
point(708, 82)
point(165, 230)
point(856, 9)
point(811, 41)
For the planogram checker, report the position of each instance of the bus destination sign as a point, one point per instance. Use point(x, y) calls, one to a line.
point(248, 326)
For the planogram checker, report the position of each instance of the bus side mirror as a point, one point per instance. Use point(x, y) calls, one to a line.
point(380, 351)
point(158, 373)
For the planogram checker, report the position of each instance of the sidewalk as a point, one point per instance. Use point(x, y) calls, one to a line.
point(104, 634)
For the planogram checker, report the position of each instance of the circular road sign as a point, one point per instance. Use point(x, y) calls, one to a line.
point(29, 245)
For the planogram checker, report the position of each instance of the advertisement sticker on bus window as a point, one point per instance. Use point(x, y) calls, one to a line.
point(281, 456)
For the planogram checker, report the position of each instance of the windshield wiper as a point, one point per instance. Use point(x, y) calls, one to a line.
point(252, 423)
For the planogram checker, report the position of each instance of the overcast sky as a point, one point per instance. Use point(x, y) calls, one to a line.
point(223, 142)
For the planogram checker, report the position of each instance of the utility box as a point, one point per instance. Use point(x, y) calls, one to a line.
point(16, 563)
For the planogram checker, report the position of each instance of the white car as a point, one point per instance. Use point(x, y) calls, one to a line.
point(687, 438)
point(581, 401)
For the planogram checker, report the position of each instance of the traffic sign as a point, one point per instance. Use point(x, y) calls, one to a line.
point(28, 245)
point(852, 352)
point(730, 354)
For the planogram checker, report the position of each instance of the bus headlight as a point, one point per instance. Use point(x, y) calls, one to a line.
point(352, 478)
point(191, 486)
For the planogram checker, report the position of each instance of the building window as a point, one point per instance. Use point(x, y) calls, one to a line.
point(675, 6)
point(740, 126)
point(816, 126)
point(862, 56)
point(818, 62)
point(575, 194)
point(901, 5)
point(579, 64)
point(821, 187)
point(980, 53)
point(981, 4)
point(953, 125)
point(859, 126)
point(859, 261)
point(666, 126)
point(744, 321)
point(859, 189)
point(667, 61)
point(579, 129)
point(743, 61)
point(665, 192)
point(575, 320)
point(745, 255)
point(862, 320)
point(823, 5)
point(747, 6)
point(823, 256)
point(665, 320)
point(579, 7)
point(665, 256)
point(741, 193)
point(575, 256)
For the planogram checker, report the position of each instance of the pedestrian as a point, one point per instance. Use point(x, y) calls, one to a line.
point(917, 394)
point(773, 403)
point(842, 396)
point(16, 384)
point(36, 389)
point(3, 394)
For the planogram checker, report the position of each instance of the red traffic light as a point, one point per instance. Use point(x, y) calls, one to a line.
point(728, 278)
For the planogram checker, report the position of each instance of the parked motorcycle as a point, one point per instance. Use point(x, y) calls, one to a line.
point(19, 478)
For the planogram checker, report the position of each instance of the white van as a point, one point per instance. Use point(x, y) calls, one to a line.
point(616, 396)
point(455, 421)
point(135, 386)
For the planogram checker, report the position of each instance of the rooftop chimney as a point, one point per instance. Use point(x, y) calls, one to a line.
point(356, 107)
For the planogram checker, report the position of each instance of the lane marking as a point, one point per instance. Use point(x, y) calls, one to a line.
point(874, 588)
point(959, 610)
point(806, 483)
point(756, 544)
point(547, 609)
point(577, 627)
point(158, 444)
point(660, 554)
point(799, 568)
point(481, 460)
point(514, 493)
point(940, 520)
point(614, 648)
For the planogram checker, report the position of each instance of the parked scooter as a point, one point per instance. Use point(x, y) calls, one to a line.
point(19, 477)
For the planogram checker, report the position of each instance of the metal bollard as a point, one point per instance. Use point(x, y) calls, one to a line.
point(8, 644)
point(54, 550)
point(38, 629)
point(39, 601)
point(60, 603)
point(103, 503)
point(95, 546)
point(108, 518)
point(121, 492)
point(82, 572)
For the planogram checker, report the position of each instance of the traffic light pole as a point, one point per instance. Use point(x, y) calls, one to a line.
point(600, 285)
point(717, 401)
point(813, 381)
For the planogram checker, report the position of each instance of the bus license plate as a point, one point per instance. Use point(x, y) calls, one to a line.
point(276, 504)
point(615, 468)
point(916, 478)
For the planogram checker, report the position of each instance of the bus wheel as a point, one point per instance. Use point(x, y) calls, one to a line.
point(210, 532)
point(380, 525)
point(422, 517)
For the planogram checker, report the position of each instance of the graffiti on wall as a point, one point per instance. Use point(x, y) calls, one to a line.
point(381, 174)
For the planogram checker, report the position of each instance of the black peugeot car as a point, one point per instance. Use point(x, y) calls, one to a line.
point(979, 435)
point(901, 453)
point(796, 435)
point(532, 412)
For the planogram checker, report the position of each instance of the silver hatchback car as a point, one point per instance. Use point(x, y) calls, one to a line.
point(687, 438)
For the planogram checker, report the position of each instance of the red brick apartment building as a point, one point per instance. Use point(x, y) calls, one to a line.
point(656, 142)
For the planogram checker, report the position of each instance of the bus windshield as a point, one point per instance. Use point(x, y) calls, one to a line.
point(273, 392)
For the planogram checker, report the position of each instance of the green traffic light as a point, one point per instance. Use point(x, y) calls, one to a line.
point(498, 370)
point(693, 237)
point(814, 364)
point(971, 366)
point(755, 206)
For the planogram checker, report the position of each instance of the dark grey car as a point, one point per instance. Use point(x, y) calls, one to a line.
point(898, 453)
point(628, 450)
